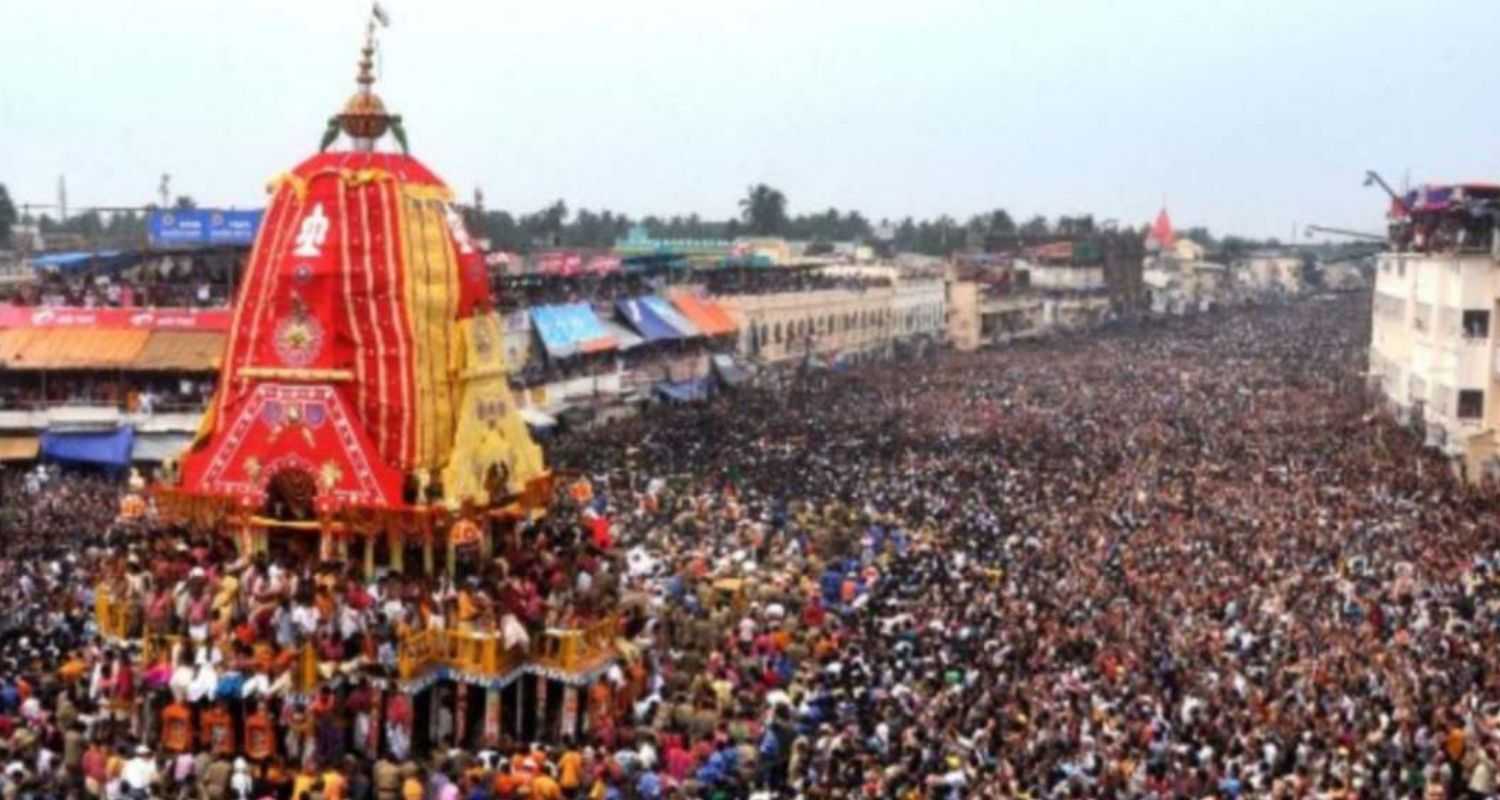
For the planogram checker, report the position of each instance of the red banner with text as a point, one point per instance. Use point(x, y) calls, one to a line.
point(151, 319)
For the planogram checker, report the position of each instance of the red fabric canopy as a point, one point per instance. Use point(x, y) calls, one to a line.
point(281, 427)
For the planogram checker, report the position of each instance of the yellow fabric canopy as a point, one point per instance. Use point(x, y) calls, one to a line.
point(78, 348)
point(13, 342)
point(18, 448)
point(189, 351)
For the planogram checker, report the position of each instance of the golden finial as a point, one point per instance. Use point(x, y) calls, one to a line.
point(366, 78)
point(364, 117)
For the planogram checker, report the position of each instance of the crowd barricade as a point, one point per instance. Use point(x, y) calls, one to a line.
point(577, 648)
point(418, 652)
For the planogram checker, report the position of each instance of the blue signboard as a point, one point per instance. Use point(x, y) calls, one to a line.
point(200, 227)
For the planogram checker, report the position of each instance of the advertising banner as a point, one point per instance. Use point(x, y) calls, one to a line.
point(154, 319)
point(201, 227)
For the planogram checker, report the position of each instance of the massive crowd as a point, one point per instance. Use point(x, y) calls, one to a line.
point(1179, 561)
point(203, 280)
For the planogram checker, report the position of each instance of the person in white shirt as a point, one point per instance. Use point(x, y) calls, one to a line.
point(240, 783)
point(139, 774)
point(305, 617)
point(646, 755)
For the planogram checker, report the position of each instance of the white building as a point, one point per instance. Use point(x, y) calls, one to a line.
point(1432, 349)
point(1273, 273)
point(1343, 275)
point(918, 297)
point(920, 306)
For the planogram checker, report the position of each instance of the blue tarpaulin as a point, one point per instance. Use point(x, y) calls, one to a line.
point(656, 320)
point(570, 329)
point(100, 448)
point(78, 259)
point(684, 391)
point(200, 227)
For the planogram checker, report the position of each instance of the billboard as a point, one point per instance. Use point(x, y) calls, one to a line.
point(201, 227)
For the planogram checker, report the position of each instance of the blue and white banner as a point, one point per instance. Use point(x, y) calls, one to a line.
point(201, 227)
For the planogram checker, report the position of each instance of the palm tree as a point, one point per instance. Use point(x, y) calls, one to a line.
point(763, 209)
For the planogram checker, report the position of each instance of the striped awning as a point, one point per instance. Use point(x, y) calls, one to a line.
point(709, 316)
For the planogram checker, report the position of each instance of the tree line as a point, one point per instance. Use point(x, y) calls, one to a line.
point(763, 212)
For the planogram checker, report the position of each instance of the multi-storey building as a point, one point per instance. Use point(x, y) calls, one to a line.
point(871, 311)
point(991, 304)
point(838, 323)
point(1432, 350)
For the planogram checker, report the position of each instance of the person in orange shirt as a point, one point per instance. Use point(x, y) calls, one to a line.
point(411, 788)
point(506, 782)
point(1454, 744)
point(467, 609)
point(570, 770)
point(335, 785)
point(303, 784)
point(72, 669)
point(544, 787)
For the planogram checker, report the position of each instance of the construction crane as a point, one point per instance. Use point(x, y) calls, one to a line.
point(1371, 176)
point(1370, 237)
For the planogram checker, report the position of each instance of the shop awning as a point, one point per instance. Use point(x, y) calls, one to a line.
point(625, 337)
point(684, 391)
point(184, 351)
point(14, 342)
point(159, 447)
point(730, 371)
point(655, 319)
point(74, 260)
point(79, 348)
point(105, 449)
point(710, 317)
point(538, 419)
point(18, 448)
point(570, 329)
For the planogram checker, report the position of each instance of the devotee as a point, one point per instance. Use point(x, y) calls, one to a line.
point(1183, 559)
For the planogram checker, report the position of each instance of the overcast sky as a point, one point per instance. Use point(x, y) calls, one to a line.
point(1244, 116)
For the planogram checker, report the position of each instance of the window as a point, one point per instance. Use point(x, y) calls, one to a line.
point(1470, 403)
point(778, 334)
point(1421, 318)
point(1476, 324)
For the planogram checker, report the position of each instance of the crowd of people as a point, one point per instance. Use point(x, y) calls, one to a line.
point(131, 393)
point(1180, 560)
point(203, 280)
